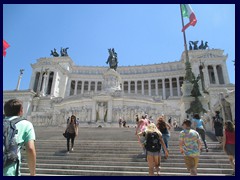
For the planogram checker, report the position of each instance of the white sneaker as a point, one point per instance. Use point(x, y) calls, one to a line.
point(72, 149)
point(67, 152)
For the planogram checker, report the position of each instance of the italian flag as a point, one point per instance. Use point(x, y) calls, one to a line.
point(5, 46)
point(188, 12)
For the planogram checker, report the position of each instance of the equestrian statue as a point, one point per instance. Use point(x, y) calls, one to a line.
point(112, 59)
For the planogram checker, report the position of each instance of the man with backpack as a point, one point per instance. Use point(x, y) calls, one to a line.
point(17, 132)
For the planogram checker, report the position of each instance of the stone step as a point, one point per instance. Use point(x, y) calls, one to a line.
point(126, 155)
point(164, 163)
point(127, 168)
point(91, 171)
point(102, 145)
point(115, 152)
point(125, 159)
point(133, 151)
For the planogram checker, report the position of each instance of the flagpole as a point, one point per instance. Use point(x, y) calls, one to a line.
point(188, 75)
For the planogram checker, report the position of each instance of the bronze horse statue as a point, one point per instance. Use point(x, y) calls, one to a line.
point(112, 59)
point(54, 53)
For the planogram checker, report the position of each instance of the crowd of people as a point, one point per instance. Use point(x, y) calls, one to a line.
point(190, 139)
point(153, 138)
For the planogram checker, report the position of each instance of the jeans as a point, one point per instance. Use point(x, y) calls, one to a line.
point(165, 139)
point(70, 137)
point(201, 132)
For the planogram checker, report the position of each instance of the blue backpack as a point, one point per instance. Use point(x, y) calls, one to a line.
point(10, 146)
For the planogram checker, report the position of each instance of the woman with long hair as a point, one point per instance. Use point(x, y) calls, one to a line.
point(164, 128)
point(72, 131)
point(229, 143)
point(153, 156)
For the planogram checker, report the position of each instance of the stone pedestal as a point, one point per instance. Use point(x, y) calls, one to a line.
point(186, 88)
point(186, 103)
point(184, 106)
point(112, 81)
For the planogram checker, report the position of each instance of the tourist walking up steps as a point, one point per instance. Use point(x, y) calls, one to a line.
point(142, 124)
point(229, 143)
point(164, 128)
point(25, 135)
point(72, 131)
point(217, 124)
point(190, 145)
point(153, 145)
point(200, 128)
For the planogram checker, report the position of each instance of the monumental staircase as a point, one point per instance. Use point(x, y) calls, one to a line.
point(115, 152)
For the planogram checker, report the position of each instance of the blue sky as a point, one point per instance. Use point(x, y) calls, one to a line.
point(140, 34)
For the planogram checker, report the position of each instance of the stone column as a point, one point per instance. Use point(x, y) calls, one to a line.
point(163, 86)
point(109, 112)
point(75, 88)
point(44, 85)
point(94, 114)
point(89, 86)
point(68, 87)
point(215, 74)
point(53, 84)
point(129, 87)
point(178, 87)
point(225, 73)
point(82, 87)
point(171, 90)
point(96, 86)
point(206, 76)
point(156, 83)
point(142, 87)
point(19, 80)
point(135, 87)
point(149, 88)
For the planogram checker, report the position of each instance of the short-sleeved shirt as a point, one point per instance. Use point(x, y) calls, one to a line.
point(199, 123)
point(143, 125)
point(25, 133)
point(190, 138)
point(230, 137)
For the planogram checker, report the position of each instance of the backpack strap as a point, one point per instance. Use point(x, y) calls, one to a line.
point(17, 169)
point(15, 121)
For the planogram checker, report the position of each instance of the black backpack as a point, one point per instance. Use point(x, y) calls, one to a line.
point(153, 142)
point(10, 146)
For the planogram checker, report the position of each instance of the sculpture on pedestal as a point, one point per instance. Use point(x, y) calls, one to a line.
point(194, 45)
point(64, 51)
point(101, 111)
point(54, 53)
point(112, 59)
point(195, 91)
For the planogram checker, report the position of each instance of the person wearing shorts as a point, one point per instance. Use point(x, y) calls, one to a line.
point(154, 158)
point(229, 143)
point(190, 146)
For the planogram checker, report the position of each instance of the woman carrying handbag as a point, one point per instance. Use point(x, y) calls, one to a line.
point(71, 132)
